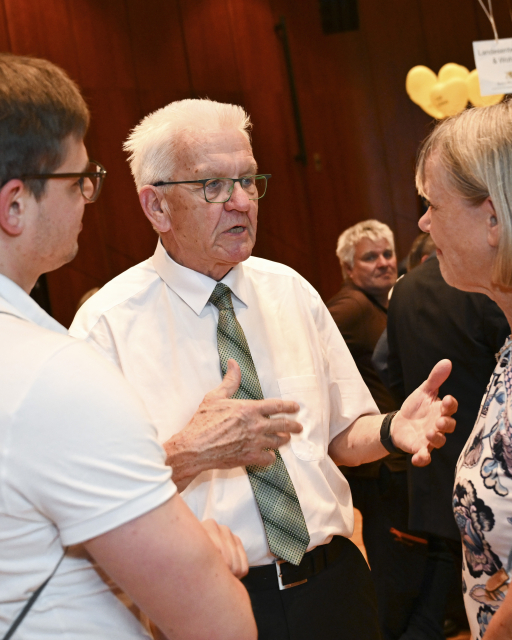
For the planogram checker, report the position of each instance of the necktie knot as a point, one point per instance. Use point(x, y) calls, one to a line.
point(221, 297)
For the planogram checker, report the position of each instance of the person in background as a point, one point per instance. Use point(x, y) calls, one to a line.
point(82, 475)
point(421, 249)
point(379, 489)
point(428, 317)
point(367, 257)
point(170, 325)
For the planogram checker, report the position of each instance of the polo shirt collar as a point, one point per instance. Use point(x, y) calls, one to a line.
point(16, 302)
point(193, 287)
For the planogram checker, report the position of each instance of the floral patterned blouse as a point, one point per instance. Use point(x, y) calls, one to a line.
point(482, 500)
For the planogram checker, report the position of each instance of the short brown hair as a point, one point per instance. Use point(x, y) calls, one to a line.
point(40, 106)
point(475, 149)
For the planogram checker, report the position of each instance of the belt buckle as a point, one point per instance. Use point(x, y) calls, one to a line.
point(282, 586)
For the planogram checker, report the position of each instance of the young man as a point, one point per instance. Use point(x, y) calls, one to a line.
point(82, 476)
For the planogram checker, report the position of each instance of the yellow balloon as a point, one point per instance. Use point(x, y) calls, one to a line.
point(474, 94)
point(450, 97)
point(432, 111)
point(452, 70)
point(419, 83)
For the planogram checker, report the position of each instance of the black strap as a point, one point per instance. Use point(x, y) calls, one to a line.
point(385, 433)
point(30, 602)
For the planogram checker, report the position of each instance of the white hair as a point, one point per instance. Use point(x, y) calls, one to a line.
point(152, 144)
point(371, 229)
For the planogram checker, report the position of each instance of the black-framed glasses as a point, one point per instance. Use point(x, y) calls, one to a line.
point(90, 181)
point(219, 190)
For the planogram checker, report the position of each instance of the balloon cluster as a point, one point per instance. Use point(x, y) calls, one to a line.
point(447, 93)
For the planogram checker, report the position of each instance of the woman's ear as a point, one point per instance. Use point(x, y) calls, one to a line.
point(13, 197)
point(153, 206)
point(492, 223)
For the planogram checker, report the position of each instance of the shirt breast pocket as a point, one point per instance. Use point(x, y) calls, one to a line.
point(310, 443)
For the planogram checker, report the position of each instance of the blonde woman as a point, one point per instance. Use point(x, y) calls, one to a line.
point(465, 173)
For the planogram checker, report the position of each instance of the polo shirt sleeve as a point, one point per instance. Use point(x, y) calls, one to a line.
point(82, 450)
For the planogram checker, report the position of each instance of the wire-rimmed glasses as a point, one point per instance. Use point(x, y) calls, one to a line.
point(219, 190)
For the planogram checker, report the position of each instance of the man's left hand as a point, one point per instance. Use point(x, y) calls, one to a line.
point(423, 420)
point(229, 545)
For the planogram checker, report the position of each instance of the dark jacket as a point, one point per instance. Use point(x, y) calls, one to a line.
point(427, 321)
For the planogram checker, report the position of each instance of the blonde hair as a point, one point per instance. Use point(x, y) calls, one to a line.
point(153, 143)
point(371, 229)
point(475, 150)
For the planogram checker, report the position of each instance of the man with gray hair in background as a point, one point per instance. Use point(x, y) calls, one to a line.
point(367, 257)
point(202, 307)
point(366, 252)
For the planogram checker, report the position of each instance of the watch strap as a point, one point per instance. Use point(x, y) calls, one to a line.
point(385, 433)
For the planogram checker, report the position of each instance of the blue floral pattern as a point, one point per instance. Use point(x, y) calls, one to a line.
point(481, 500)
point(473, 518)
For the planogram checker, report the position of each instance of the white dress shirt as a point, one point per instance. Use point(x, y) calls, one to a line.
point(155, 323)
point(78, 458)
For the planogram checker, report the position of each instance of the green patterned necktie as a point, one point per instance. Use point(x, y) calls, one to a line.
point(285, 527)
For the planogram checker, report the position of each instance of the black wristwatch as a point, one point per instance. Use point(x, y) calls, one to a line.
point(385, 433)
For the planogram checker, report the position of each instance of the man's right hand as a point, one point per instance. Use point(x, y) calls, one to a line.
point(226, 433)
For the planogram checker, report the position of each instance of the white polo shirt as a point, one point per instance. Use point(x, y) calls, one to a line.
point(78, 457)
point(155, 323)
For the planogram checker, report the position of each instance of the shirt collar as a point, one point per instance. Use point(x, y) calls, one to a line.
point(15, 301)
point(193, 287)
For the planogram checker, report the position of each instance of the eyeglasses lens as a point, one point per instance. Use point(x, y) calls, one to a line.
point(91, 186)
point(260, 187)
point(220, 190)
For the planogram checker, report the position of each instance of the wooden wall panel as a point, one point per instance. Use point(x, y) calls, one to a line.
point(5, 39)
point(42, 29)
point(284, 214)
point(334, 83)
point(160, 59)
point(131, 57)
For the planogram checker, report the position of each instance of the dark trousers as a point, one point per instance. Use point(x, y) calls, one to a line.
point(427, 617)
point(337, 604)
point(397, 566)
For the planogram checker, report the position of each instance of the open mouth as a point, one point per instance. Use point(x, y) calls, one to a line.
point(236, 230)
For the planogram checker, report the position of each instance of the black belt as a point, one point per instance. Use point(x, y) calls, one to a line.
point(267, 577)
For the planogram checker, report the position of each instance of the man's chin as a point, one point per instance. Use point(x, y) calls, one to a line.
point(241, 252)
point(72, 254)
point(64, 260)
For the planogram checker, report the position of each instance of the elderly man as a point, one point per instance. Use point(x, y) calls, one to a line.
point(201, 299)
point(68, 490)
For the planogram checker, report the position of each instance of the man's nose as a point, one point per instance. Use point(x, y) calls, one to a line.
point(382, 261)
point(424, 221)
point(239, 199)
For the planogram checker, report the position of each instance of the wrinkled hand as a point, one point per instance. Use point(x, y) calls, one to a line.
point(423, 420)
point(225, 433)
point(229, 545)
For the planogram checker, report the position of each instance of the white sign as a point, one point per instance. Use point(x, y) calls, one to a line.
point(493, 61)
